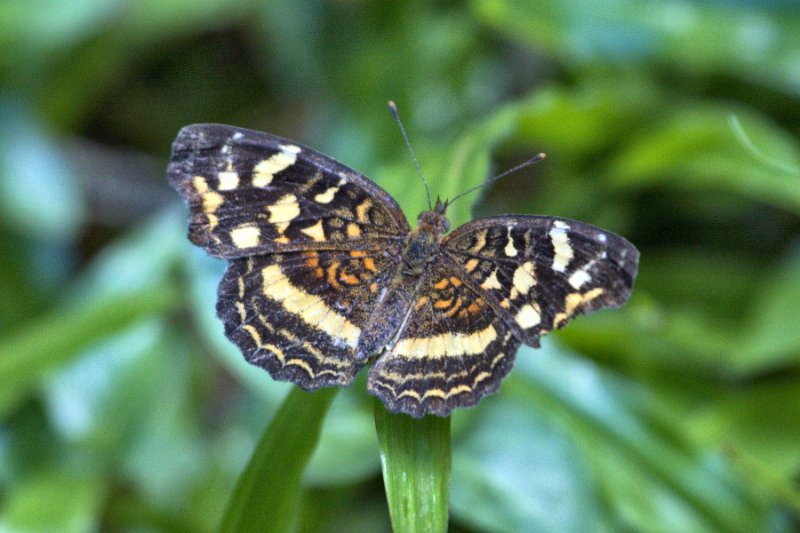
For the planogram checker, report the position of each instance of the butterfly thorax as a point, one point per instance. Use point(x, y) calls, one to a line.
point(422, 243)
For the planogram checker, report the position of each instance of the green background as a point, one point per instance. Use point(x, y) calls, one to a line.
point(673, 123)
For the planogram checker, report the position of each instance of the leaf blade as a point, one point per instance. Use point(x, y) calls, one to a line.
point(267, 493)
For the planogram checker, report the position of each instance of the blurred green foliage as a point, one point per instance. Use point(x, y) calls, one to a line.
point(674, 123)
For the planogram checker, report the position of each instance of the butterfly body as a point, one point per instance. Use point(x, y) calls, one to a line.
point(325, 274)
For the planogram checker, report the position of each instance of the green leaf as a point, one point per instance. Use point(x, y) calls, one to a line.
point(51, 340)
point(141, 258)
point(347, 451)
point(696, 148)
point(39, 193)
point(99, 399)
point(761, 421)
point(647, 469)
point(470, 161)
point(415, 456)
point(267, 494)
point(54, 501)
point(453, 169)
point(684, 276)
point(571, 122)
point(753, 41)
point(511, 467)
point(51, 25)
point(771, 338)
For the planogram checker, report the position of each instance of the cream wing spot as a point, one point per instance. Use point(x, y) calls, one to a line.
point(591, 295)
point(242, 311)
point(253, 332)
point(524, 278)
point(573, 301)
point(228, 180)
point(480, 242)
point(302, 364)
point(491, 282)
point(213, 221)
point(510, 250)
point(311, 309)
point(315, 313)
point(362, 211)
point(326, 196)
point(246, 236)
point(486, 336)
point(264, 172)
point(480, 377)
point(211, 199)
point(420, 347)
point(471, 343)
point(316, 232)
point(284, 210)
point(438, 345)
point(528, 316)
point(446, 344)
point(200, 184)
point(290, 149)
point(277, 352)
point(562, 250)
point(578, 278)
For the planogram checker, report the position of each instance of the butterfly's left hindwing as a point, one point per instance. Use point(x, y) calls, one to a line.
point(540, 271)
point(252, 193)
point(301, 316)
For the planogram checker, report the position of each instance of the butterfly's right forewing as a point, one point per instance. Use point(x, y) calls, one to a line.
point(539, 272)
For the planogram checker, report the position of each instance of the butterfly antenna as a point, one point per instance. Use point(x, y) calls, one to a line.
point(529, 162)
point(396, 115)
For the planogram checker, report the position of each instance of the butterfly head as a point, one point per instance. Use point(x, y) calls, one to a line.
point(441, 207)
point(434, 221)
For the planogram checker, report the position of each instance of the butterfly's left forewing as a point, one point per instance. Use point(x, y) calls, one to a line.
point(253, 193)
point(538, 272)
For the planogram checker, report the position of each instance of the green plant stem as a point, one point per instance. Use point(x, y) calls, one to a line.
point(415, 458)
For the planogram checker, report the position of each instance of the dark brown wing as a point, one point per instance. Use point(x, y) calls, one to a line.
point(252, 193)
point(451, 350)
point(301, 315)
point(539, 271)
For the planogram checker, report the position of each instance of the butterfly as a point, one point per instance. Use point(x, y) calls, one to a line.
point(325, 274)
